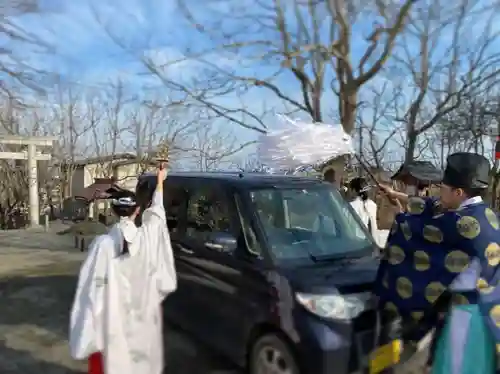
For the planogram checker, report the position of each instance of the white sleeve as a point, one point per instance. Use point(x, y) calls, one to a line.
point(156, 212)
point(157, 199)
point(155, 233)
point(355, 206)
point(87, 308)
point(380, 236)
point(165, 269)
point(155, 239)
point(372, 211)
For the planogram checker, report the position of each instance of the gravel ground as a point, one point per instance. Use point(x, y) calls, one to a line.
point(37, 282)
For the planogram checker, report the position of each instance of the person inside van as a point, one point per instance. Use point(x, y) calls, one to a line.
point(305, 212)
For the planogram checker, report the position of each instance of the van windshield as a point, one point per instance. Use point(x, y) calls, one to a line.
point(310, 224)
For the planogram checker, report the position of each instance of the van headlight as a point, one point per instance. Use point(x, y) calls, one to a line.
point(335, 306)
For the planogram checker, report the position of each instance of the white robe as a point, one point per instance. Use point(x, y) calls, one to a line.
point(117, 306)
point(367, 212)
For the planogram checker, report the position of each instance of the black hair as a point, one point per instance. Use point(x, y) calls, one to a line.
point(475, 192)
point(358, 184)
point(144, 195)
point(124, 210)
point(124, 204)
point(422, 188)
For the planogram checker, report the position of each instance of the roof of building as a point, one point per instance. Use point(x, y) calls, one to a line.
point(118, 159)
point(97, 190)
point(423, 171)
point(107, 158)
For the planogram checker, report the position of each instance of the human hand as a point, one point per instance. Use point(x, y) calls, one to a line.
point(162, 171)
point(388, 190)
point(398, 205)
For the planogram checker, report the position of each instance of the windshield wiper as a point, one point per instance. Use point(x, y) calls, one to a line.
point(337, 258)
point(305, 247)
point(345, 258)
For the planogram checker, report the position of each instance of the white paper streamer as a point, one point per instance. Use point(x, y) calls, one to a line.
point(300, 145)
point(124, 201)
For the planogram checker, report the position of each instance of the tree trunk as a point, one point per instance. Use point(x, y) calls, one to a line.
point(348, 107)
point(410, 147)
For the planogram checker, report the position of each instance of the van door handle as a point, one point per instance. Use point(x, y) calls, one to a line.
point(185, 250)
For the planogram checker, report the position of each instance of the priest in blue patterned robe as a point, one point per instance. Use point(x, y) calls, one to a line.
point(449, 245)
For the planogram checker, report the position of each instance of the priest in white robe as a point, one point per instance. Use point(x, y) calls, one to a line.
point(366, 208)
point(116, 318)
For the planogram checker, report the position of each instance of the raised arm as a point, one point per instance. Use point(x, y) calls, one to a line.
point(421, 205)
point(393, 194)
point(160, 179)
point(157, 211)
point(156, 235)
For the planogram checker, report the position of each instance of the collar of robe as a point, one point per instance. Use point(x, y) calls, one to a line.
point(472, 201)
point(129, 231)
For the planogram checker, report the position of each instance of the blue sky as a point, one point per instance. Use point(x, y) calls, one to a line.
point(84, 52)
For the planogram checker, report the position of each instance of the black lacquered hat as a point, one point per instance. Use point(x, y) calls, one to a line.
point(467, 170)
point(359, 184)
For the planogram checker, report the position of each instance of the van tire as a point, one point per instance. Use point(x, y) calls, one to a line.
point(271, 350)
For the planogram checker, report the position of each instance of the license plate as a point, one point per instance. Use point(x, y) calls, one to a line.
point(385, 356)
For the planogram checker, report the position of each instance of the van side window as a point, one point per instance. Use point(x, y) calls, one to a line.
point(208, 211)
point(174, 202)
point(248, 231)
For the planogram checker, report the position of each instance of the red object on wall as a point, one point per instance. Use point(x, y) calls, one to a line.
point(497, 149)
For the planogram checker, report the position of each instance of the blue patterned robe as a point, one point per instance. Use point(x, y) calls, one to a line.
point(426, 251)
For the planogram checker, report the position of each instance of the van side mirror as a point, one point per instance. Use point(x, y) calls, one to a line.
point(221, 242)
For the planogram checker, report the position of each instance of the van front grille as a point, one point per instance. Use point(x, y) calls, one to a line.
point(356, 288)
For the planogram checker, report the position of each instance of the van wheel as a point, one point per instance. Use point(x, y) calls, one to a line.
point(271, 355)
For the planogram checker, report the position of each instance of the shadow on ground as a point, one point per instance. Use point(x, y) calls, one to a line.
point(185, 355)
point(27, 241)
point(24, 362)
point(37, 300)
point(34, 313)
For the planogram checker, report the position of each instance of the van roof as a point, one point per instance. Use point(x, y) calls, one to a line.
point(238, 179)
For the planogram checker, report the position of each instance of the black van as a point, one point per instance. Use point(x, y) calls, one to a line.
point(276, 273)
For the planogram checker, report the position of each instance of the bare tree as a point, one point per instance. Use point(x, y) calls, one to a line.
point(249, 163)
point(213, 148)
point(471, 127)
point(160, 120)
point(308, 42)
point(13, 191)
point(467, 127)
point(71, 126)
point(106, 116)
point(375, 126)
point(13, 183)
point(447, 65)
point(16, 72)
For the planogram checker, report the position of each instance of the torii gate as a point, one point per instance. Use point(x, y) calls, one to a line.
point(32, 156)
